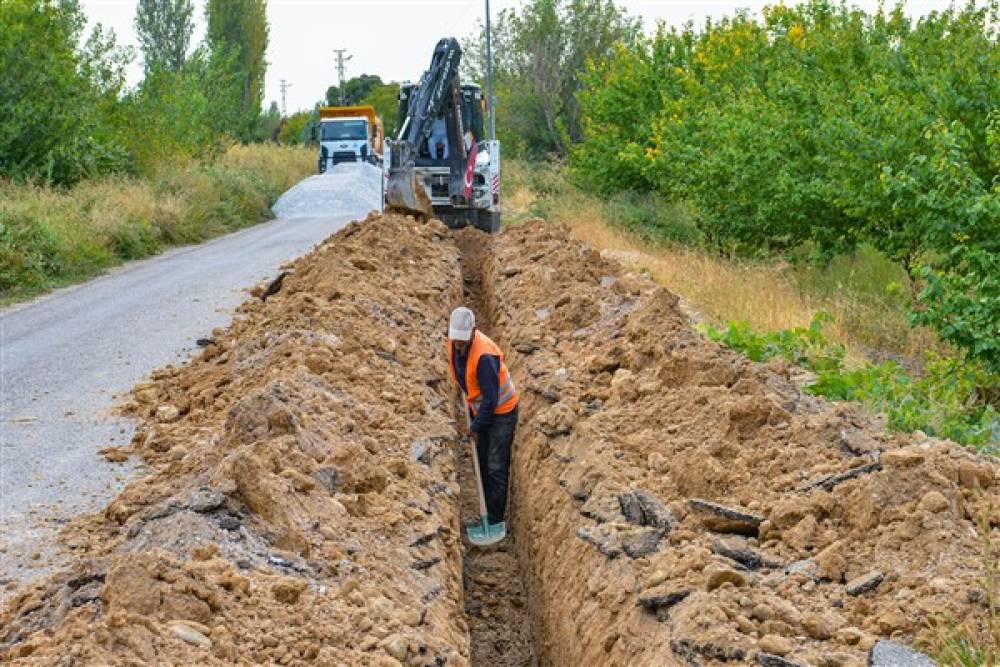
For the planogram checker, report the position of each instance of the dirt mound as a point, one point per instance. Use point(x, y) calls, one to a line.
point(302, 503)
point(678, 504)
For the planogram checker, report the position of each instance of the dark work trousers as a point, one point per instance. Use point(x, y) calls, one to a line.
point(493, 447)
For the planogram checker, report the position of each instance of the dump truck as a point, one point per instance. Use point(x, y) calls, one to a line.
point(442, 164)
point(349, 134)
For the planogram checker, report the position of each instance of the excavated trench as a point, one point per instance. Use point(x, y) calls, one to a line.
point(495, 601)
point(671, 503)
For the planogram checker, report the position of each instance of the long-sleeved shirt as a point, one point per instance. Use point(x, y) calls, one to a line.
point(488, 374)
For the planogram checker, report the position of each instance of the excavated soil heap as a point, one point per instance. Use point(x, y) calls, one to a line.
point(302, 504)
point(675, 503)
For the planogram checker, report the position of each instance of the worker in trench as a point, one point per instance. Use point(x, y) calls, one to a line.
point(478, 369)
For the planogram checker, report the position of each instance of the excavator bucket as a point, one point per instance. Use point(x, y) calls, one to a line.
point(404, 193)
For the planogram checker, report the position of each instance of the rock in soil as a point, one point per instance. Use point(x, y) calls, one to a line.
point(890, 654)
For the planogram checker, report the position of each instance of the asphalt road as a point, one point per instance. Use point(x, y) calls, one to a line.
point(65, 357)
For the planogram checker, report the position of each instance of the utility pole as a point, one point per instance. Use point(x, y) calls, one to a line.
point(284, 88)
point(489, 76)
point(340, 70)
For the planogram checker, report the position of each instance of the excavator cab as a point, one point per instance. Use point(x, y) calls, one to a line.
point(442, 164)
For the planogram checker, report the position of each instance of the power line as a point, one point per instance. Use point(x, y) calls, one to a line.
point(284, 89)
point(340, 71)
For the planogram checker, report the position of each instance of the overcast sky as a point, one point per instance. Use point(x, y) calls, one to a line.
point(391, 38)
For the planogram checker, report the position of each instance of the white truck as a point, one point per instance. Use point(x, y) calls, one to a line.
point(349, 134)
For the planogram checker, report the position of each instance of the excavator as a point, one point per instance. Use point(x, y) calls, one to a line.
point(441, 163)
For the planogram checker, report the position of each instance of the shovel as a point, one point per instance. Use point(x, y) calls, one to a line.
point(483, 514)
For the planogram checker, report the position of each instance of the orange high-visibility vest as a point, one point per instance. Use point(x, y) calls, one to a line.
point(481, 344)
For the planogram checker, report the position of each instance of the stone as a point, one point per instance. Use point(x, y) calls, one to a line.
point(723, 519)
point(411, 617)
point(771, 660)
point(902, 458)
point(395, 645)
point(831, 564)
point(934, 502)
point(288, 590)
point(327, 478)
point(655, 579)
point(642, 543)
point(972, 476)
point(526, 348)
point(186, 631)
point(864, 583)
point(166, 414)
point(420, 451)
point(891, 654)
point(849, 636)
point(205, 500)
point(718, 575)
point(776, 644)
point(822, 626)
point(806, 567)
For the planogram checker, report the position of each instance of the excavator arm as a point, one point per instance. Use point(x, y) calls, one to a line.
point(438, 93)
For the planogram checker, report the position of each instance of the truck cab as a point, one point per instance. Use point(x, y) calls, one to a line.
point(349, 134)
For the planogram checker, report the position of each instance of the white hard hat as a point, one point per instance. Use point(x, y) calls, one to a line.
point(462, 323)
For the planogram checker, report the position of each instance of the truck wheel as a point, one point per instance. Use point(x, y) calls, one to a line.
point(488, 221)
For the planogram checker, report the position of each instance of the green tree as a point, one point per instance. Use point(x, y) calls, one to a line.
point(238, 35)
point(59, 95)
point(296, 128)
point(164, 28)
point(355, 90)
point(540, 56)
point(385, 99)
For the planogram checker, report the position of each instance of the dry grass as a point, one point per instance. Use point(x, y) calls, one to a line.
point(51, 237)
point(768, 295)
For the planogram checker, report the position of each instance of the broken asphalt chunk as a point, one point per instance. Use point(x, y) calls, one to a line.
point(827, 483)
point(864, 583)
point(771, 660)
point(644, 509)
point(659, 601)
point(604, 538)
point(643, 542)
point(425, 563)
point(741, 554)
point(723, 519)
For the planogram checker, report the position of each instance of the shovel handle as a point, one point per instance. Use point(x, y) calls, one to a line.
point(475, 464)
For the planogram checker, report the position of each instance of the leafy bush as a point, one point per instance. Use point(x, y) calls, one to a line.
point(946, 400)
point(821, 124)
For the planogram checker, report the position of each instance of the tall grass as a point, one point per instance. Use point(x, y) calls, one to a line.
point(50, 237)
point(865, 295)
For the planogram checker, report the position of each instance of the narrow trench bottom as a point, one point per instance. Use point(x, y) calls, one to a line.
point(495, 602)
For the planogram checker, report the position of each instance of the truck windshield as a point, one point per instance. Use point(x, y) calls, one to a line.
point(345, 130)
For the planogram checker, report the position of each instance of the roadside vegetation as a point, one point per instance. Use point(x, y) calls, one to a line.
point(53, 236)
point(94, 173)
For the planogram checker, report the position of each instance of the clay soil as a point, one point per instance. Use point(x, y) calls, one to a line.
point(679, 504)
point(303, 501)
point(672, 503)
